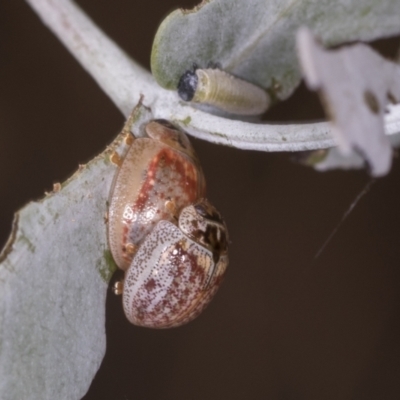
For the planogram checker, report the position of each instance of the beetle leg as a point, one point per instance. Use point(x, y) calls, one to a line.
point(116, 159)
point(118, 287)
point(170, 207)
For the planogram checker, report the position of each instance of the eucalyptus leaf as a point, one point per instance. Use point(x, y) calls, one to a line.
point(335, 159)
point(124, 81)
point(255, 39)
point(54, 273)
point(355, 84)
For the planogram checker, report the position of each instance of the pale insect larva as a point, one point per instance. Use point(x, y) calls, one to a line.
point(224, 91)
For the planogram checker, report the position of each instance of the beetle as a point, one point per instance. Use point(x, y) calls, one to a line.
point(162, 231)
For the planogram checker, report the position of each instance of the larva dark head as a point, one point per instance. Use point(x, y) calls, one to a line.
point(187, 85)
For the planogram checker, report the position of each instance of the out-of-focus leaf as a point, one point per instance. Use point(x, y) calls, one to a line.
point(54, 272)
point(255, 39)
point(355, 84)
point(335, 159)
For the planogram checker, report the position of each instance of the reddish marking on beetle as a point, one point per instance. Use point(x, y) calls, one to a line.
point(168, 172)
point(180, 302)
point(168, 158)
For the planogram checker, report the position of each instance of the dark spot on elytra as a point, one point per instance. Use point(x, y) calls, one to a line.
point(150, 285)
point(371, 101)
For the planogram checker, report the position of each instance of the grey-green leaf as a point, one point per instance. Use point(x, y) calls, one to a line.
point(54, 273)
point(356, 84)
point(255, 39)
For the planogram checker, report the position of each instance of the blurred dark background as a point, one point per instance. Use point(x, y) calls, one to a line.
point(284, 325)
